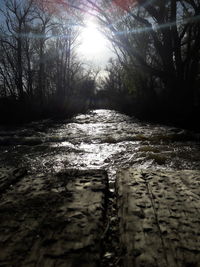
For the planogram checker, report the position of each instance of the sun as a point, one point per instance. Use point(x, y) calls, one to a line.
point(94, 45)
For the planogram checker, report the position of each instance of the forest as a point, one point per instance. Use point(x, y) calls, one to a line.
point(100, 151)
point(154, 75)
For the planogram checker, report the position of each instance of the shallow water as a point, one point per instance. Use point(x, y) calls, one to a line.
point(99, 139)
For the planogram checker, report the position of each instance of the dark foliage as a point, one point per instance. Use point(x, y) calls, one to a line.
point(158, 48)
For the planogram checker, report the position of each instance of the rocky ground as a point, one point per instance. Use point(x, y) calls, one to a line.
point(69, 197)
point(159, 217)
point(55, 220)
point(65, 219)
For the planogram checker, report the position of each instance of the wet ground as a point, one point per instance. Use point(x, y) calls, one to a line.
point(37, 163)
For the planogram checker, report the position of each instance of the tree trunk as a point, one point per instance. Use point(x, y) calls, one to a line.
point(19, 66)
point(41, 73)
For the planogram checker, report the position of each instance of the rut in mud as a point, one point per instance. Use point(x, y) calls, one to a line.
point(58, 199)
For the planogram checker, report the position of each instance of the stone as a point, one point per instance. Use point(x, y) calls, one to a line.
point(41, 226)
point(161, 228)
point(10, 176)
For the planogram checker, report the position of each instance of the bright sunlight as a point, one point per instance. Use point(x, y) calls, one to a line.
point(94, 45)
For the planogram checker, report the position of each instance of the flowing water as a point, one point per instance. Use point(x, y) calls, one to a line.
point(99, 139)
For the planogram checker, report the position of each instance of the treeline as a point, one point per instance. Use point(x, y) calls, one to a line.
point(40, 73)
point(157, 71)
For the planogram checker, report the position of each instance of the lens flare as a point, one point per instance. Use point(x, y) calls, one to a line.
point(125, 4)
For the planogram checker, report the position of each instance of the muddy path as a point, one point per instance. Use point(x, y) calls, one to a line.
point(58, 180)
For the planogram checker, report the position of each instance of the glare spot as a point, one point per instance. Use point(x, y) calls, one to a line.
point(94, 45)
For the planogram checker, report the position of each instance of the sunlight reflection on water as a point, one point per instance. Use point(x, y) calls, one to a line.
point(99, 139)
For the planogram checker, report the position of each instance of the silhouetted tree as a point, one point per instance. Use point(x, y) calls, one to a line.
point(160, 38)
point(38, 63)
point(15, 16)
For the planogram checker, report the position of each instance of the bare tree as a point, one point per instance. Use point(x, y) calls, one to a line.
point(15, 14)
point(171, 48)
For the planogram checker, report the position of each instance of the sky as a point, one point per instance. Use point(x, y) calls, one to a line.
point(94, 48)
